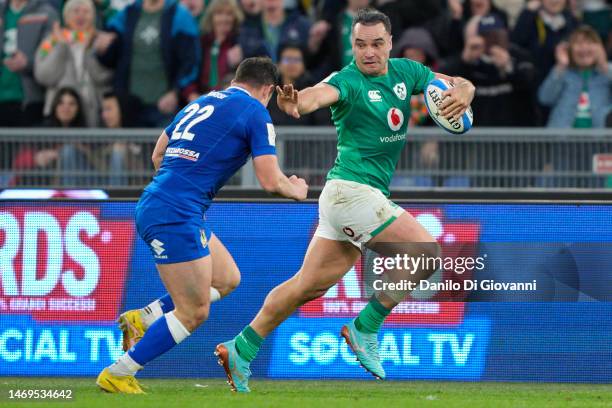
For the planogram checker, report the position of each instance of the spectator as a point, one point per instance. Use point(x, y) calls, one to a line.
point(275, 29)
point(252, 9)
point(330, 41)
point(578, 87)
point(410, 13)
point(24, 25)
point(220, 50)
point(417, 44)
point(449, 27)
point(155, 52)
point(67, 112)
point(578, 91)
point(67, 59)
point(502, 73)
point(504, 78)
point(117, 111)
point(293, 71)
point(540, 31)
point(196, 9)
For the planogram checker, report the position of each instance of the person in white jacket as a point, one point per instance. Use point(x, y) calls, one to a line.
point(66, 58)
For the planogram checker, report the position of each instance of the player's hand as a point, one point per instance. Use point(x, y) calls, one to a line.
point(300, 188)
point(457, 100)
point(287, 100)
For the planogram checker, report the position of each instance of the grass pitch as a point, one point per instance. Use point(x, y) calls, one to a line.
point(202, 393)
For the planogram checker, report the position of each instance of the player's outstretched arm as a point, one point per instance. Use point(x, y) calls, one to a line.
point(274, 181)
point(457, 99)
point(160, 150)
point(308, 100)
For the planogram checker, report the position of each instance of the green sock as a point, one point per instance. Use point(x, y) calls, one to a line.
point(248, 343)
point(371, 317)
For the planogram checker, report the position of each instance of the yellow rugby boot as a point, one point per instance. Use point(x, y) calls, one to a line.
point(118, 385)
point(131, 326)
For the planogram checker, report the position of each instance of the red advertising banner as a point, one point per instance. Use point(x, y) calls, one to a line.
point(63, 262)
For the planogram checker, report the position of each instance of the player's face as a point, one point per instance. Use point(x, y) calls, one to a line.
point(371, 48)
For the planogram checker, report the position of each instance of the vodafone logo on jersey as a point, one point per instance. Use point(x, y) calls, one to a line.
point(62, 262)
point(350, 295)
point(395, 119)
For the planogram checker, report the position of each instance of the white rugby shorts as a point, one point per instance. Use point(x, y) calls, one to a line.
point(354, 212)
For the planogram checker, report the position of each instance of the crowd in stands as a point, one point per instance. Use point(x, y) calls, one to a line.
point(534, 63)
point(124, 63)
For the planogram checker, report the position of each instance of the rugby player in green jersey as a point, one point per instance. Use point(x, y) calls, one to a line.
point(370, 105)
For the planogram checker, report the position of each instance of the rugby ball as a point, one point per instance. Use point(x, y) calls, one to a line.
point(433, 101)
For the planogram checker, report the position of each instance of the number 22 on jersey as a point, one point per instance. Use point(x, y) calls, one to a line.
point(182, 130)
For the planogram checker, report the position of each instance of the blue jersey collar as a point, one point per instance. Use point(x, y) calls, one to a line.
point(240, 89)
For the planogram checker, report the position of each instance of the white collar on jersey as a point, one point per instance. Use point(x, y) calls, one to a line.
point(240, 88)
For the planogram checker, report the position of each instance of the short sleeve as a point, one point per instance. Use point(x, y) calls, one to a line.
point(260, 132)
point(420, 74)
point(170, 128)
point(339, 81)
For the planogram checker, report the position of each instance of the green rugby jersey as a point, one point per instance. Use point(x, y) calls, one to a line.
point(371, 118)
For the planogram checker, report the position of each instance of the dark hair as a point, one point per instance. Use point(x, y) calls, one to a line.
point(290, 46)
point(257, 71)
point(370, 17)
point(79, 118)
point(129, 107)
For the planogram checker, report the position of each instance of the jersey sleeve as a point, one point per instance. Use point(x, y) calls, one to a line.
point(339, 81)
point(170, 128)
point(420, 74)
point(260, 132)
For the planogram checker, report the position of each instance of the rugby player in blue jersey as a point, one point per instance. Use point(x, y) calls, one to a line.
point(208, 141)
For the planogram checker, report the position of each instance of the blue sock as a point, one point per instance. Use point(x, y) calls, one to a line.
point(165, 333)
point(166, 303)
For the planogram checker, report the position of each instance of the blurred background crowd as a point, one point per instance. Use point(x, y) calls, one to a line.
point(119, 63)
point(115, 63)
